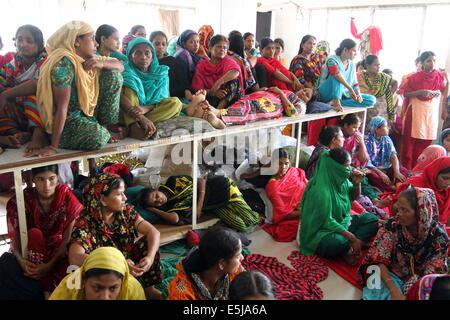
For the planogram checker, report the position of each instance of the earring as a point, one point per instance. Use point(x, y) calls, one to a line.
point(77, 44)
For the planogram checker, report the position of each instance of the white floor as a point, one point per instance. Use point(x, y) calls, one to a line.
point(334, 287)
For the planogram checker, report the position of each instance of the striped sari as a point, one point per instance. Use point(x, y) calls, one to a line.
point(378, 87)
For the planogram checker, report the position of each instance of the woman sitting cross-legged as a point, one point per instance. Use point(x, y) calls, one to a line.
point(78, 89)
point(172, 202)
point(408, 246)
point(385, 168)
point(208, 270)
point(285, 191)
point(20, 115)
point(107, 221)
point(326, 227)
point(51, 210)
point(338, 84)
point(145, 94)
point(104, 275)
point(220, 76)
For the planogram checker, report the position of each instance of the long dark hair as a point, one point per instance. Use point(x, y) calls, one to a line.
point(216, 244)
point(265, 42)
point(369, 60)
point(340, 155)
point(249, 284)
point(52, 167)
point(154, 34)
point(135, 29)
point(425, 55)
point(304, 40)
point(327, 134)
point(36, 33)
point(345, 44)
point(105, 30)
point(237, 44)
point(216, 39)
point(349, 119)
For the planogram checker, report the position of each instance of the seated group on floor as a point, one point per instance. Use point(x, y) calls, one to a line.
point(384, 194)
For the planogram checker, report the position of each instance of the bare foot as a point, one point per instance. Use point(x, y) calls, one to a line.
point(38, 141)
point(136, 132)
point(117, 131)
point(10, 141)
point(192, 109)
point(214, 120)
point(336, 104)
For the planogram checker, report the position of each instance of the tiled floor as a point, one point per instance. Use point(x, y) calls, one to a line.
point(334, 287)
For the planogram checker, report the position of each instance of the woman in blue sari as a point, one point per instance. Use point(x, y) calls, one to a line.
point(338, 84)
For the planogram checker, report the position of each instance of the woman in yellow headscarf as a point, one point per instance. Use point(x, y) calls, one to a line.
point(78, 92)
point(104, 275)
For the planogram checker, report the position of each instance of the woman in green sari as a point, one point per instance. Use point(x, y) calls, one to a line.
point(327, 228)
point(172, 202)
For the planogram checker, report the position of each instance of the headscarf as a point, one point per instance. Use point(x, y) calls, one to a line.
point(62, 44)
point(109, 258)
point(411, 256)
point(125, 41)
point(426, 285)
point(323, 47)
point(444, 134)
point(331, 214)
point(151, 86)
point(427, 156)
point(205, 34)
point(190, 58)
point(379, 149)
point(427, 179)
point(172, 46)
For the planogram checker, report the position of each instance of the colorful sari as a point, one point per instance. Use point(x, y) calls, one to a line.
point(308, 69)
point(24, 113)
point(91, 232)
point(188, 285)
point(222, 198)
point(246, 70)
point(422, 289)
point(407, 256)
point(378, 87)
point(285, 194)
point(45, 230)
point(427, 179)
point(262, 105)
point(108, 258)
point(380, 149)
point(352, 146)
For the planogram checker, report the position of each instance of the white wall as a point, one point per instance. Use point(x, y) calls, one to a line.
point(49, 15)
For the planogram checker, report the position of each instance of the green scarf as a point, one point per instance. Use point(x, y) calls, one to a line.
point(151, 86)
point(326, 203)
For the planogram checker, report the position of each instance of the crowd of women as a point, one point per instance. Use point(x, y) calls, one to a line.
point(385, 193)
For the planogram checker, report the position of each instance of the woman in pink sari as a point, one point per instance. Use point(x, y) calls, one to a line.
point(424, 91)
point(220, 76)
point(285, 191)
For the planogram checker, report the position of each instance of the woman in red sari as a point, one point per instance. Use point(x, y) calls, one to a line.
point(435, 176)
point(285, 191)
point(220, 76)
point(424, 91)
point(51, 210)
point(277, 74)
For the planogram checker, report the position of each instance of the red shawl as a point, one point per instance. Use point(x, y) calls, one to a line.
point(206, 74)
point(285, 195)
point(271, 65)
point(427, 180)
point(423, 80)
point(376, 40)
point(64, 209)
